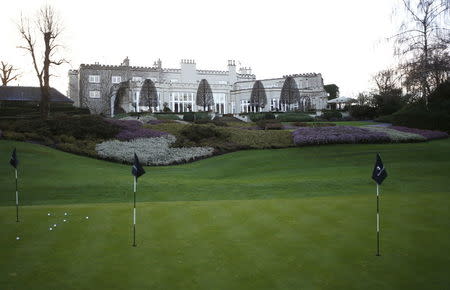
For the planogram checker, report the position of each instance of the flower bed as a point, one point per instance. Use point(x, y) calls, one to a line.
point(398, 136)
point(131, 129)
point(428, 134)
point(337, 135)
point(151, 151)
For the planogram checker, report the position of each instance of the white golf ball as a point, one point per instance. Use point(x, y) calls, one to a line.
point(65, 213)
point(54, 225)
point(48, 214)
point(17, 238)
point(50, 229)
point(64, 220)
point(87, 217)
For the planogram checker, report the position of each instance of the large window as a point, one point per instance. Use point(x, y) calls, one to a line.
point(219, 102)
point(116, 79)
point(95, 79)
point(181, 101)
point(245, 106)
point(137, 79)
point(274, 105)
point(94, 94)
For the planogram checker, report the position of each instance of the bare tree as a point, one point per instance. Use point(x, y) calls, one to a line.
point(204, 95)
point(99, 104)
point(8, 73)
point(258, 97)
point(290, 93)
point(364, 98)
point(387, 80)
point(47, 25)
point(422, 40)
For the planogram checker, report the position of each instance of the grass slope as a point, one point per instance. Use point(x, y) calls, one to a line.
point(299, 218)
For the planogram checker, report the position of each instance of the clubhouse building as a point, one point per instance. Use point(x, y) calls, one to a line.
point(110, 89)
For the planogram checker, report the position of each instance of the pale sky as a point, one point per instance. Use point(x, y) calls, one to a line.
point(343, 40)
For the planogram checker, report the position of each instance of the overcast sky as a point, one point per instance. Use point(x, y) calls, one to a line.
point(343, 40)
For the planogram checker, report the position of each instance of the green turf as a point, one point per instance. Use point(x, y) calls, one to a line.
point(298, 218)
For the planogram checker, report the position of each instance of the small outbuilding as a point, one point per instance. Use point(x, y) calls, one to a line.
point(30, 94)
point(341, 102)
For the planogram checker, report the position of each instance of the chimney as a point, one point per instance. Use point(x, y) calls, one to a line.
point(126, 62)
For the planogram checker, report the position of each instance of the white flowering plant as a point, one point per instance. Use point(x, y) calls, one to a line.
point(151, 151)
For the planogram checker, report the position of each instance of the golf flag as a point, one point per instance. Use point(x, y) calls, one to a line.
point(14, 161)
point(137, 169)
point(379, 172)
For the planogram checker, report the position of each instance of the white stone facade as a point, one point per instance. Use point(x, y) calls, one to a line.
point(95, 86)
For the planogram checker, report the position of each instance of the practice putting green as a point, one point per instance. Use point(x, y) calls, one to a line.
point(298, 218)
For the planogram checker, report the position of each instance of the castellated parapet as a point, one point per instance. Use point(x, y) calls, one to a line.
point(110, 89)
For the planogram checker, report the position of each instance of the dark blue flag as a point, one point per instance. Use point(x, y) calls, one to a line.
point(137, 169)
point(379, 172)
point(14, 161)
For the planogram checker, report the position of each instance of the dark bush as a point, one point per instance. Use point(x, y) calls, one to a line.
point(417, 115)
point(269, 124)
point(37, 126)
point(83, 127)
point(274, 126)
point(331, 115)
point(214, 122)
point(197, 116)
point(363, 112)
point(227, 118)
point(261, 116)
point(294, 117)
point(197, 133)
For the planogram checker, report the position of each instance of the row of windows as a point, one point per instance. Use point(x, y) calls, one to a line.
point(95, 79)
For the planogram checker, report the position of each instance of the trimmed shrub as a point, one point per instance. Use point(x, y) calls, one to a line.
point(167, 117)
point(258, 139)
point(151, 151)
point(254, 117)
point(337, 135)
point(83, 127)
point(196, 133)
point(331, 115)
point(197, 116)
point(274, 126)
point(294, 117)
point(214, 122)
point(86, 148)
point(228, 118)
point(269, 124)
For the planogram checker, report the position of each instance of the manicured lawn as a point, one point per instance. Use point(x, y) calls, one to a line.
point(297, 218)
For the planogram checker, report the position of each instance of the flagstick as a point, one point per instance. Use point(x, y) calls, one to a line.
point(17, 200)
point(134, 214)
point(378, 221)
